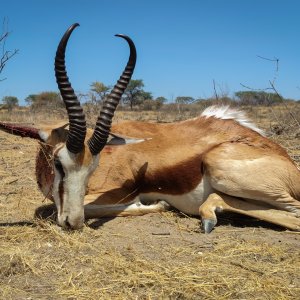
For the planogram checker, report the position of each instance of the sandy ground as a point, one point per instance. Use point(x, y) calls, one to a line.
point(157, 256)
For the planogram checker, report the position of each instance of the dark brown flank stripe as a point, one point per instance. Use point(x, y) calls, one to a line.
point(179, 179)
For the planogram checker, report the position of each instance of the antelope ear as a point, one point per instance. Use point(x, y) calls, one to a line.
point(117, 140)
point(60, 132)
point(22, 130)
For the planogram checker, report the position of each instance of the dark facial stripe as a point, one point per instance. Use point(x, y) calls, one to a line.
point(62, 174)
point(59, 167)
point(61, 194)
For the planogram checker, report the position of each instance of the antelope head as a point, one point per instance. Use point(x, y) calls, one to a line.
point(75, 159)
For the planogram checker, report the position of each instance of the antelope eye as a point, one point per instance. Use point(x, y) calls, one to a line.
point(57, 162)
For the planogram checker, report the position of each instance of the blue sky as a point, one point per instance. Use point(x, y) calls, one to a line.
point(182, 45)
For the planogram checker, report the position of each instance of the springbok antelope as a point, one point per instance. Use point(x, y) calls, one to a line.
point(216, 162)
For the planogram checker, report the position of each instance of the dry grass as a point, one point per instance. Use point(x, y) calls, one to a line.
point(52, 264)
point(157, 256)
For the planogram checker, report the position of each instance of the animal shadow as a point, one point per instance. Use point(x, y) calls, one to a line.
point(46, 212)
point(49, 213)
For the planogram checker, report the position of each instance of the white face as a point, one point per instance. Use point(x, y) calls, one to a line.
point(69, 187)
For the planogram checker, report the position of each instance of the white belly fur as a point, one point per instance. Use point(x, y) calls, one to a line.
point(188, 203)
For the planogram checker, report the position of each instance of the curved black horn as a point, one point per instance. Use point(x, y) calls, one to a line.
point(77, 123)
point(101, 132)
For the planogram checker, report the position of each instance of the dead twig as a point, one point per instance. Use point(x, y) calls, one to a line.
point(6, 54)
point(281, 98)
point(237, 264)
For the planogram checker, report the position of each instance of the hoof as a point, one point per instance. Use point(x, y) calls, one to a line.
point(208, 225)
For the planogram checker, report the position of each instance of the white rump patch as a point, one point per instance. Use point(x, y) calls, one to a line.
point(229, 113)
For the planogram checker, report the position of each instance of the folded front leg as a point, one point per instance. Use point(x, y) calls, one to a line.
point(123, 210)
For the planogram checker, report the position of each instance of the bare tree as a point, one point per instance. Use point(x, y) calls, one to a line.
point(275, 93)
point(5, 55)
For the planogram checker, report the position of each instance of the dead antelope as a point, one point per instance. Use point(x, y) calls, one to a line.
point(216, 162)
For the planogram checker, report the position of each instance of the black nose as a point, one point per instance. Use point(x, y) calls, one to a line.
point(67, 224)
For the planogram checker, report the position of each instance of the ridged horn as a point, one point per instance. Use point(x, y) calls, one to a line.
point(99, 138)
point(77, 123)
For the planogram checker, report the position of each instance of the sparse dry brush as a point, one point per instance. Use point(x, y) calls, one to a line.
point(158, 256)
